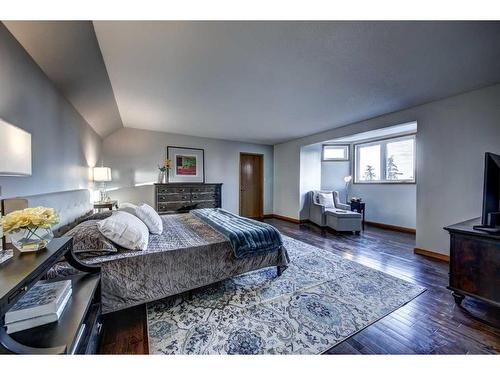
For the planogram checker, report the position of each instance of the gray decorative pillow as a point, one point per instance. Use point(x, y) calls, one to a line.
point(89, 242)
point(98, 216)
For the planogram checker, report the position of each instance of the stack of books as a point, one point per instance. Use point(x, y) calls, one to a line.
point(44, 303)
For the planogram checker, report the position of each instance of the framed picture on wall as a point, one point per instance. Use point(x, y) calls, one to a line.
point(188, 164)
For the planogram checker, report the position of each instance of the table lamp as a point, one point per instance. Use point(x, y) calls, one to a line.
point(102, 175)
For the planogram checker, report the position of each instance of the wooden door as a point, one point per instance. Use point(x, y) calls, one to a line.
point(252, 185)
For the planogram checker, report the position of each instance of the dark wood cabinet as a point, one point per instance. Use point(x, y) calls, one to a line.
point(474, 263)
point(183, 197)
point(78, 329)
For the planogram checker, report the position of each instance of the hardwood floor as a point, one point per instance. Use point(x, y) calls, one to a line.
point(430, 324)
point(125, 332)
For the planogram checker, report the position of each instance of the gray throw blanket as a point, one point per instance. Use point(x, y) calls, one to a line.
point(247, 237)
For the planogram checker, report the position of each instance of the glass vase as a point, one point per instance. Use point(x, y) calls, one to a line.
point(31, 238)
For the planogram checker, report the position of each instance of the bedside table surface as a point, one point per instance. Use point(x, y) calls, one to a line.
point(105, 204)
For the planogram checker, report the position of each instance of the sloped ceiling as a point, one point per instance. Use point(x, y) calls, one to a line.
point(68, 53)
point(263, 82)
point(269, 82)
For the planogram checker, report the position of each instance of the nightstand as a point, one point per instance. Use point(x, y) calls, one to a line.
point(359, 207)
point(103, 205)
point(78, 329)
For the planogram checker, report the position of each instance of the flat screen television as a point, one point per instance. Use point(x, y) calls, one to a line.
point(490, 220)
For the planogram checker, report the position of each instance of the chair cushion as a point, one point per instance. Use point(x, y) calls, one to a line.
point(325, 200)
point(342, 213)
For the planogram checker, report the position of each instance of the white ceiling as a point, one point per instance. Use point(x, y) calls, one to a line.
point(268, 82)
point(68, 53)
point(264, 82)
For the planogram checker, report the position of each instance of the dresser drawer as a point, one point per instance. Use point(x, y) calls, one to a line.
point(173, 190)
point(204, 196)
point(206, 204)
point(208, 189)
point(174, 197)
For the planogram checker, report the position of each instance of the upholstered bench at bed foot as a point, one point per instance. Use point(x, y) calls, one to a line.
point(343, 220)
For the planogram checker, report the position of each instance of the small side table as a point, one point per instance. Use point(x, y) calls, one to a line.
point(359, 207)
point(103, 205)
point(77, 330)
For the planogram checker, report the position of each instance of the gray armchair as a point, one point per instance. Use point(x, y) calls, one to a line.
point(336, 202)
point(317, 211)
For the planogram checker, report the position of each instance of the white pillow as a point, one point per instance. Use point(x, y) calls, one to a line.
point(150, 217)
point(125, 230)
point(326, 200)
point(128, 207)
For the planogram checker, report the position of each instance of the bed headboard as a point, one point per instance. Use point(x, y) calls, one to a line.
point(71, 206)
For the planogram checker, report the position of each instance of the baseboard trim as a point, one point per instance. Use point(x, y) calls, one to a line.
point(432, 254)
point(397, 228)
point(284, 218)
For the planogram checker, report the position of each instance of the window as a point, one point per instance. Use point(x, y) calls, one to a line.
point(386, 161)
point(335, 152)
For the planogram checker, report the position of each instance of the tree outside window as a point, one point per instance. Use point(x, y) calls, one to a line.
point(386, 161)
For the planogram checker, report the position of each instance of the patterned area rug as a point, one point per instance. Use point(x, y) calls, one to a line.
point(319, 301)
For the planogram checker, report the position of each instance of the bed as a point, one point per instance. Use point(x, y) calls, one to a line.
point(188, 254)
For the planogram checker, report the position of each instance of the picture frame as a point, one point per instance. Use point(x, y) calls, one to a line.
point(188, 164)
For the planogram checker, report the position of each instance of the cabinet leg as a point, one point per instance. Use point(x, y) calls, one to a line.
point(458, 297)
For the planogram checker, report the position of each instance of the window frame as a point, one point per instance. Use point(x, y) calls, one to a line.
point(345, 146)
point(383, 158)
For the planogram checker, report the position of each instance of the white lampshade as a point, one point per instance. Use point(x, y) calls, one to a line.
point(15, 150)
point(102, 174)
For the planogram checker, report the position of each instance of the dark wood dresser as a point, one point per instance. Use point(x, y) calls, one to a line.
point(474, 263)
point(183, 197)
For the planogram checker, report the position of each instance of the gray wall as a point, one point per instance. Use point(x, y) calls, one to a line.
point(310, 176)
point(64, 146)
point(332, 176)
point(389, 204)
point(453, 135)
point(385, 203)
point(286, 183)
point(134, 155)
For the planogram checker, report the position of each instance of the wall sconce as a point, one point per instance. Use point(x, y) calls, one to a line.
point(15, 150)
point(15, 160)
